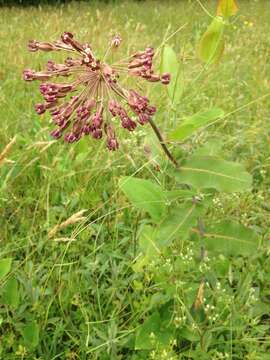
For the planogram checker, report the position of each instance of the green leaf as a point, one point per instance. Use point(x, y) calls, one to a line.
point(147, 241)
point(230, 238)
point(212, 172)
point(30, 333)
point(170, 64)
point(227, 8)
point(11, 293)
point(5, 265)
point(211, 45)
point(189, 335)
point(178, 223)
point(153, 240)
point(154, 330)
point(181, 194)
point(145, 195)
point(153, 149)
point(213, 147)
point(149, 246)
point(195, 122)
point(146, 334)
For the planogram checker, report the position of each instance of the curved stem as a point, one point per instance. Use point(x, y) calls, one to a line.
point(162, 143)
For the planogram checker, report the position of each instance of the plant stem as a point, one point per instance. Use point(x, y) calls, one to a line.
point(162, 143)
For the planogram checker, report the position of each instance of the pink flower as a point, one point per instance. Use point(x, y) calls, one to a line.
point(81, 106)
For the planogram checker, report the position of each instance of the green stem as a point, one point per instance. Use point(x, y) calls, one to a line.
point(162, 143)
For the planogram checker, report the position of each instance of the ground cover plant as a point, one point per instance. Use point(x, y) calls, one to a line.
point(123, 255)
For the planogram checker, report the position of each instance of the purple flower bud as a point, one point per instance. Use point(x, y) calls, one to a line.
point(64, 124)
point(73, 62)
point(150, 51)
point(151, 110)
point(96, 133)
point(82, 113)
point(51, 65)
point(116, 41)
point(60, 69)
point(154, 78)
point(97, 121)
point(56, 134)
point(166, 78)
point(68, 111)
point(32, 45)
point(73, 100)
point(90, 104)
point(59, 119)
point(136, 102)
point(70, 138)
point(50, 98)
point(28, 75)
point(112, 144)
point(67, 37)
point(128, 123)
point(40, 108)
point(113, 107)
point(88, 55)
point(143, 118)
point(86, 129)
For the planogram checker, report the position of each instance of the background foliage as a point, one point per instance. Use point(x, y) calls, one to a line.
point(79, 277)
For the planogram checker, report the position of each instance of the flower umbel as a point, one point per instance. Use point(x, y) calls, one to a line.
point(94, 96)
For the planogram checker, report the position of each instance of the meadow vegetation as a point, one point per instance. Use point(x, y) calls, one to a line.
point(68, 233)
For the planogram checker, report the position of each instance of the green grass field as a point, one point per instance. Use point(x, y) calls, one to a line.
point(72, 292)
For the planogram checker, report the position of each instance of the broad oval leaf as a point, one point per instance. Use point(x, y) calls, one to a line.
point(226, 8)
point(213, 147)
point(11, 293)
point(162, 331)
point(211, 45)
point(195, 122)
point(170, 64)
point(231, 238)
point(145, 195)
point(5, 265)
point(151, 325)
point(178, 223)
point(147, 241)
point(180, 194)
point(204, 172)
point(30, 333)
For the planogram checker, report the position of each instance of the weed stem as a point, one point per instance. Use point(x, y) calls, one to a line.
point(162, 143)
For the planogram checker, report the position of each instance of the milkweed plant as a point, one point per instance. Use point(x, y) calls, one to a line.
point(92, 101)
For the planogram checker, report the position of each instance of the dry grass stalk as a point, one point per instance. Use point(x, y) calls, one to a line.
point(199, 298)
point(6, 150)
point(75, 218)
point(64, 239)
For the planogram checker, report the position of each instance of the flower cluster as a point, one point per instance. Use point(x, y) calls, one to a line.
point(94, 97)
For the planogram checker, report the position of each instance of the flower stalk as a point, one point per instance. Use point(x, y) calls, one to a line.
point(162, 143)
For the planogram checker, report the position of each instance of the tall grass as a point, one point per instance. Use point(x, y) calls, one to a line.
point(78, 284)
